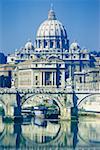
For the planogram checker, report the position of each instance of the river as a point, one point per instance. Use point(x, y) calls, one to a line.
point(41, 134)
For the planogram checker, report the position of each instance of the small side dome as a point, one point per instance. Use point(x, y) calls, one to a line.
point(84, 50)
point(29, 45)
point(74, 46)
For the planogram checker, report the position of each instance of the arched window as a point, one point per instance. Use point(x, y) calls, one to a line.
point(39, 43)
point(51, 44)
point(45, 43)
point(58, 44)
point(63, 43)
point(36, 42)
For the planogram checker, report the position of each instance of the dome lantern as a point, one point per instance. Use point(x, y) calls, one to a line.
point(51, 15)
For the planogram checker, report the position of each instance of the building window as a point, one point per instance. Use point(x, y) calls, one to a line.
point(74, 56)
point(48, 78)
point(36, 77)
point(80, 79)
point(36, 65)
point(83, 55)
point(67, 56)
point(12, 59)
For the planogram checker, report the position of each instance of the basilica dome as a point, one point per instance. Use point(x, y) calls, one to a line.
point(51, 34)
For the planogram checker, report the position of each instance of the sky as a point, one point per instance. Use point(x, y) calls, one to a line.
point(20, 19)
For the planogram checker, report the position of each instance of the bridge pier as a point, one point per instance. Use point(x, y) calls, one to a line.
point(8, 102)
point(65, 113)
point(9, 111)
point(69, 113)
point(71, 106)
point(74, 113)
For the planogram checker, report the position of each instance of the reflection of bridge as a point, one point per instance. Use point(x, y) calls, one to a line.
point(90, 134)
point(67, 134)
point(30, 138)
point(64, 98)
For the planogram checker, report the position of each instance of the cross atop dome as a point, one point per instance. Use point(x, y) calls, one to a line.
point(51, 14)
point(51, 8)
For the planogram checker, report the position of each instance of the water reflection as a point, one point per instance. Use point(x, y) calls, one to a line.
point(46, 134)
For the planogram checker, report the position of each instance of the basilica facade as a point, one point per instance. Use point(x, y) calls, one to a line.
point(51, 61)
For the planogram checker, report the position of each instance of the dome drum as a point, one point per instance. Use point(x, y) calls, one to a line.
point(51, 43)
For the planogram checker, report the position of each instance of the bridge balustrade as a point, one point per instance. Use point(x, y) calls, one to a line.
point(87, 87)
point(80, 88)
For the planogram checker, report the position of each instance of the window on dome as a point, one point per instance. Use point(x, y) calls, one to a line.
point(63, 43)
point(45, 43)
point(39, 43)
point(58, 44)
point(51, 44)
point(36, 42)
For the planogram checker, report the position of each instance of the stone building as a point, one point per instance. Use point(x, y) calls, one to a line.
point(51, 54)
point(23, 54)
point(6, 71)
point(41, 73)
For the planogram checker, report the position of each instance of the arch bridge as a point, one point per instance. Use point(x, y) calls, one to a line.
point(63, 97)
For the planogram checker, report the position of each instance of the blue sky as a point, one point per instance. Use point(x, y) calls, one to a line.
point(20, 19)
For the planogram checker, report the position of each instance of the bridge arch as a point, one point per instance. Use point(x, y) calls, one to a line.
point(53, 97)
point(85, 98)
